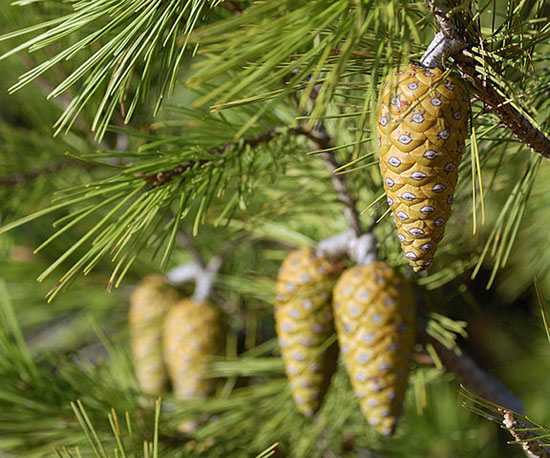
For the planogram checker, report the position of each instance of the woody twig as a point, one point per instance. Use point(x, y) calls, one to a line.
point(449, 42)
point(523, 435)
point(470, 374)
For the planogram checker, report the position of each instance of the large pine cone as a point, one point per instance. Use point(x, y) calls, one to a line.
point(149, 304)
point(375, 311)
point(303, 315)
point(422, 127)
point(193, 334)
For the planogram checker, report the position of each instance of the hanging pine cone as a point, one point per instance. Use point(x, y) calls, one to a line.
point(375, 316)
point(193, 333)
point(422, 126)
point(304, 321)
point(149, 304)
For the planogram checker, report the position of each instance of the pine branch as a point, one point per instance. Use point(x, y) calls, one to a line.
point(162, 178)
point(134, 203)
point(350, 210)
point(450, 43)
point(319, 138)
point(322, 141)
point(530, 435)
point(137, 42)
point(471, 375)
point(522, 433)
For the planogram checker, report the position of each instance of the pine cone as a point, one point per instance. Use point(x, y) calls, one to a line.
point(422, 127)
point(375, 310)
point(148, 305)
point(304, 321)
point(193, 333)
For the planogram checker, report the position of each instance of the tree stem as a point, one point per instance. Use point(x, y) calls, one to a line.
point(471, 375)
point(322, 141)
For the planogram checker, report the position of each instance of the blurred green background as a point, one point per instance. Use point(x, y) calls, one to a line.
point(79, 341)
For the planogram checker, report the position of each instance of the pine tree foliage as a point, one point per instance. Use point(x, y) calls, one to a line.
point(215, 118)
point(339, 61)
point(145, 37)
point(261, 411)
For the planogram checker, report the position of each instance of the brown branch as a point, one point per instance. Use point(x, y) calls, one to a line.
point(471, 375)
point(520, 126)
point(318, 137)
point(495, 102)
point(322, 142)
point(161, 178)
point(350, 208)
point(520, 432)
point(321, 139)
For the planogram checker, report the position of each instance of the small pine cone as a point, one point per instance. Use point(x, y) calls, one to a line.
point(375, 309)
point(303, 315)
point(149, 303)
point(422, 127)
point(193, 333)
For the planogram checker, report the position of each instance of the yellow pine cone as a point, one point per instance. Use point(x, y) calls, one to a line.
point(422, 126)
point(149, 303)
point(374, 308)
point(193, 333)
point(304, 322)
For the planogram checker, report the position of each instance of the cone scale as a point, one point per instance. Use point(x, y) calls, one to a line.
point(304, 323)
point(422, 125)
point(149, 304)
point(193, 334)
point(375, 311)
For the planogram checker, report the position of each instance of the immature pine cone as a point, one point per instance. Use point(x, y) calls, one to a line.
point(148, 305)
point(193, 334)
point(303, 316)
point(422, 126)
point(375, 310)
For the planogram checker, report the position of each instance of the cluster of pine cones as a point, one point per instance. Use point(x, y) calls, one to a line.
point(374, 318)
point(173, 339)
point(422, 125)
